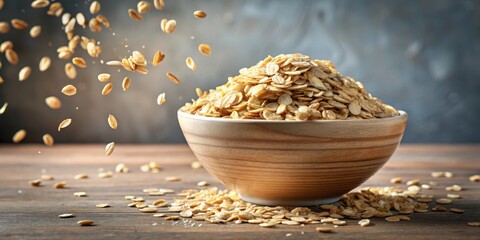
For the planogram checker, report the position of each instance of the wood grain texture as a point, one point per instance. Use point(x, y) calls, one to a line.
point(292, 162)
point(31, 213)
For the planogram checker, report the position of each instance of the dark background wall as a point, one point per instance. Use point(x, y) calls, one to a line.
point(419, 56)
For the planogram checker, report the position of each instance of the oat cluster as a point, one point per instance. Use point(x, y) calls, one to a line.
point(290, 87)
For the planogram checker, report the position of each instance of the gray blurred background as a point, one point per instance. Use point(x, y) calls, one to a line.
point(419, 56)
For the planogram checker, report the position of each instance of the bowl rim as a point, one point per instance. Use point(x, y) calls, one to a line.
point(180, 113)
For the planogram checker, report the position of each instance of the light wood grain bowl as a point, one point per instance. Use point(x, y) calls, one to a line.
point(297, 163)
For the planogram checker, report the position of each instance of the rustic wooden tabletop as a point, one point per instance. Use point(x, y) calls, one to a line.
point(28, 212)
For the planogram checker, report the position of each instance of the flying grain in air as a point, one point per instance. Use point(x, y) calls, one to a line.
point(53, 102)
point(81, 20)
point(35, 31)
point(3, 108)
point(163, 24)
point(40, 3)
point(48, 140)
point(170, 26)
point(6, 45)
point(4, 27)
point(44, 64)
point(80, 62)
point(19, 136)
point(114, 63)
point(126, 83)
point(158, 58)
point(159, 4)
point(95, 7)
point(199, 14)
point(24, 73)
point(191, 64)
point(11, 56)
point(173, 78)
point(70, 71)
point(161, 99)
point(19, 24)
point(205, 49)
point(112, 121)
point(109, 148)
point(143, 7)
point(104, 77)
point(134, 15)
point(107, 89)
point(65, 123)
point(138, 59)
point(69, 90)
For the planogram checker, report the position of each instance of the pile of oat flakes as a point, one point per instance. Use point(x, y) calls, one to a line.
point(290, 87)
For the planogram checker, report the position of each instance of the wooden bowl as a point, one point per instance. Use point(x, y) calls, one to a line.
point(297, 163)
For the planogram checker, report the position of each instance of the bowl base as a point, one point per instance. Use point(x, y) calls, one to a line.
point(297, 203)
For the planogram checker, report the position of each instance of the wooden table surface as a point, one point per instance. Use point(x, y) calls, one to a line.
point(32, 212)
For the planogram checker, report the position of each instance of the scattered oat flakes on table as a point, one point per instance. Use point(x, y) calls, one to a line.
point(66, 215)
point(80, 194)
point(86, 222)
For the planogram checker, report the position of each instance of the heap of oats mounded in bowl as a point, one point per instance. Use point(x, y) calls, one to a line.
point(290, 87)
